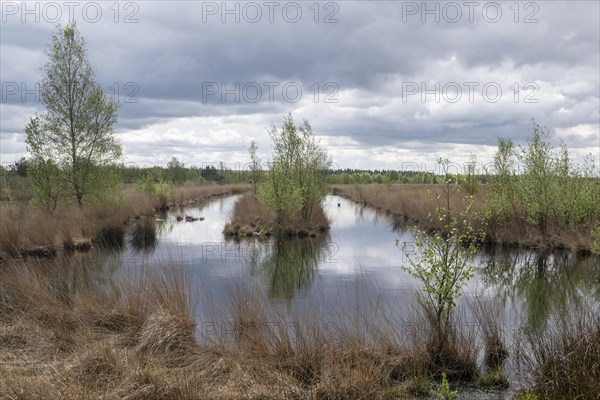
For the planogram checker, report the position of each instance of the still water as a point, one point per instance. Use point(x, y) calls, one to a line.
point(353, 270)
point(358, 258)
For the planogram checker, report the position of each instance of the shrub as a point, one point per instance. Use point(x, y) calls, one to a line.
point(549, 194)
point(445, 257)
point(154, 184)
point(167, 334)
point(296, 179)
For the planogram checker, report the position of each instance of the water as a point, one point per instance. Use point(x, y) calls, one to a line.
point(360, 250)
point(355, 269)
point(357, 259)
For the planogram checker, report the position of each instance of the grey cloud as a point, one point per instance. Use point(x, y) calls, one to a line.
point(171, 52)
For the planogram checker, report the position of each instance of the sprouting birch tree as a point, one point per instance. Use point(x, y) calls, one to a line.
point(73, 149)
point(296, 179)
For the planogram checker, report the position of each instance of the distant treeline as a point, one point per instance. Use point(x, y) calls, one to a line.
point(175, 172)
point(360, 176)
point(219, 173)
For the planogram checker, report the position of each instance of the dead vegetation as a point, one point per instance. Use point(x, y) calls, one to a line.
point(564, 362)
point(252, 218)
point(65, 335)
point(30, 231)
point(71, 331)
point(413, 202)
point(410, 204)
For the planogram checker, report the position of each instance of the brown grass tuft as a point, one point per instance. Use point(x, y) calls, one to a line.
point(97, 368)
point(564, 361)
point(164, 334)
point(450, 346)
point(487, 313)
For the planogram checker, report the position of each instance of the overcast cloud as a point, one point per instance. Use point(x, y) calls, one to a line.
point(487, 68)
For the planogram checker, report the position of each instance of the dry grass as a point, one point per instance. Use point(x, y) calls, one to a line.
point(451, 346)
point(137, 202)
point(412, 203)
point(164, 334)
point(251, 217)
point(487, 314)
point(564, 362)
point(348, 356)
point(28, 230)
point(68, 332)
point(136, 339)
point(62, 339)
point(184, 194)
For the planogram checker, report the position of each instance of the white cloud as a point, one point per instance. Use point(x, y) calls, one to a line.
point(366, 58)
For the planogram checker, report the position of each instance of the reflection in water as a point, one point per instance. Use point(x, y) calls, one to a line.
point(398, 223)
point(143, 235)
point(359, 212)
point(290, 264)
point(92, 272)
point(550, 283)
point(336, 274)
point(360, 247)
point(164, 225)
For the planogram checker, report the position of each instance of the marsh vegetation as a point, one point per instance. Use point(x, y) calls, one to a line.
point(291, 318)
point(286, 199)
point(119, 283)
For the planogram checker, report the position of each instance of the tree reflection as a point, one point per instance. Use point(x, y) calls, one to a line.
point(290, 264)
point(547, 282)
point(143, 236)
point(67, 275)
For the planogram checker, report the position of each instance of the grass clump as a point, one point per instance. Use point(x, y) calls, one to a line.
point(418, 386)
point(98, 367)
point(168, 335)
point(487, 315)
point(563, 362)
point(493, 378)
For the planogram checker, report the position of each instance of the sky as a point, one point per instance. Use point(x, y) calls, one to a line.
point(384, 84)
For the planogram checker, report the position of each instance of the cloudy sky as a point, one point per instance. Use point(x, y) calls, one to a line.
point(384, 84)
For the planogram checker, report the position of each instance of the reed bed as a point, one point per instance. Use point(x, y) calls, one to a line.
point(412, 204)
point(73, 331)
point(27, 230)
